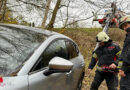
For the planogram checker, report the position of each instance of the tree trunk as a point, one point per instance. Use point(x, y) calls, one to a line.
point(1, 4)
point(46, 13)
point(51, 23)
point(4, 11)
point(67, 15)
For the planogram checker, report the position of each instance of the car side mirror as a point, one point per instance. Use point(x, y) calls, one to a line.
point(58, 65)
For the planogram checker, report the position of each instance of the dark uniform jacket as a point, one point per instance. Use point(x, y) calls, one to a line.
point(106, 55)
point(125, 55)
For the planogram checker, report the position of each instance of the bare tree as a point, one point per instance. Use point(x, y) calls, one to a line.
point(46, 13)
point(67, 15)
point(3, 4)
point(71, 11)
point(51, 23)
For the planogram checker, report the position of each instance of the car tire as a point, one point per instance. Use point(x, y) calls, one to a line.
point(79, 87)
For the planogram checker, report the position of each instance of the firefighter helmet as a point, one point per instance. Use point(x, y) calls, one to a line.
point(102, 37)
point(123, 20)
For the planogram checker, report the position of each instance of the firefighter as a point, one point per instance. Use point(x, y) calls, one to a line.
point(124, 62)
point(105, 56)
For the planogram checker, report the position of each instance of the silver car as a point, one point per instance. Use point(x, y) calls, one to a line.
point(37, 59)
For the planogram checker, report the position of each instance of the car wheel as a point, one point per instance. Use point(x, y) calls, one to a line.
point(79, 87)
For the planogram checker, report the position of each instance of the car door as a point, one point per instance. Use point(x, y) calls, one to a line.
point(78, 63)
point(55, 81)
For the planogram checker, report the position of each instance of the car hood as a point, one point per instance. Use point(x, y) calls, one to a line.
point(14, 83)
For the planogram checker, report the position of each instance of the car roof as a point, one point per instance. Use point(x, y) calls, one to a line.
point(43, 31)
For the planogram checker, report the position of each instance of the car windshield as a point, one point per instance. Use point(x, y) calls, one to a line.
point(16, 46)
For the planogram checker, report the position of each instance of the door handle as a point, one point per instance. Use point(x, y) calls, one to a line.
point(68, 74)
point(82, 64)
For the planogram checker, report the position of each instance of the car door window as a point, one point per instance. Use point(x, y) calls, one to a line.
point(56, 48)
point(72, 49)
